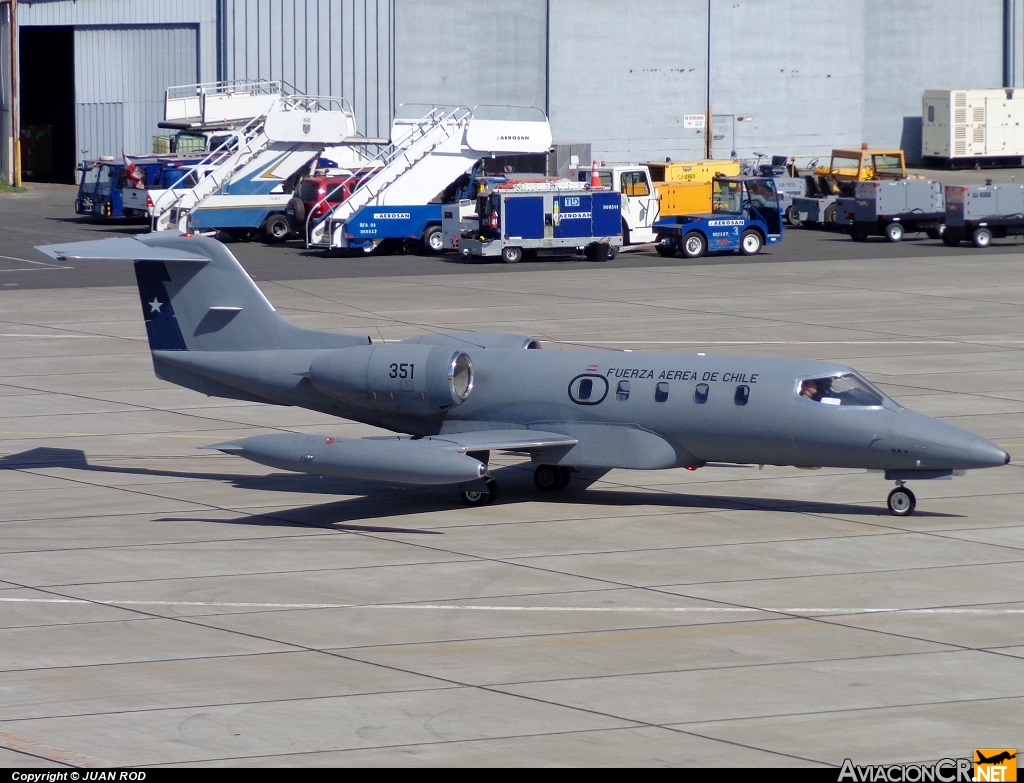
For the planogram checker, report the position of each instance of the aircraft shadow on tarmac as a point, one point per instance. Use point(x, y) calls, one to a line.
point(370, 500)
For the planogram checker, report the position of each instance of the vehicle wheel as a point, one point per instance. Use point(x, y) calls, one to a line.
point(599, 251)
point(297, 208)
point(276, 228)
point(546, 477)
point(901, 502)
point(750, 243)
point(433, 240)
point(830, 213)
point(512, 255)
point(625, 234)
point(666, 247)
point(694, 245)
point(481, 497)
point(936, 233)
point(894, 232)
point(950, 239)
point(858, 234)
point(981, 237)
point(792, 216)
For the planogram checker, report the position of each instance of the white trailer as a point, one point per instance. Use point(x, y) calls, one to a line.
point(973, 127)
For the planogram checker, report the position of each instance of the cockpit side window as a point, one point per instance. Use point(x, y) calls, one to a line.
point(844, 389)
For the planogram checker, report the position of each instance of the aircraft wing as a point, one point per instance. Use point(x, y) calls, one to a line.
point(502, 440)
point(440, 459)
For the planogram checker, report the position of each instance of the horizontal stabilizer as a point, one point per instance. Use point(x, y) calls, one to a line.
point(118, 248)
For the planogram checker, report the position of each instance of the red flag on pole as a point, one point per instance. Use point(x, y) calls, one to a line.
point(133, 172)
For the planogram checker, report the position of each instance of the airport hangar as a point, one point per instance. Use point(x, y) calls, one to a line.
point(631, 77)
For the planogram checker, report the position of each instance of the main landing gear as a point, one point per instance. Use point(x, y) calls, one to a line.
point(901, 501)
point(546, 478)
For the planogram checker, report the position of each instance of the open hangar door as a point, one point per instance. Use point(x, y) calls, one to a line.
point(47, 105)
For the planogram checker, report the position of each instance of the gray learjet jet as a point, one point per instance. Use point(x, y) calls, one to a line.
point(454, 398)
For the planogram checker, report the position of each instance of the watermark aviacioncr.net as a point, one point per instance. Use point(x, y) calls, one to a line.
point(989, 765)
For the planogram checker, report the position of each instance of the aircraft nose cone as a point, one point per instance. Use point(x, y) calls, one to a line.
point(987, 454)
point(939, 445)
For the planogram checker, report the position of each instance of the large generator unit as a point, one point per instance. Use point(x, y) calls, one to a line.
point(973, 127)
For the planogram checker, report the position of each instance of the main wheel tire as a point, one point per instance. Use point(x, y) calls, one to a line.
point(901, 502)
point(546, 477)
point(481, 497)
point(982, 237)
point(276, 228)
point(512, 255)
point(694, 245)
point(750, 242)
point(894, 232)
point(432, 241)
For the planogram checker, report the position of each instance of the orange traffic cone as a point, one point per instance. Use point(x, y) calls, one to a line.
point(595, 176)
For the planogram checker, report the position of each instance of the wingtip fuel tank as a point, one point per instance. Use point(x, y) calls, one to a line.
point(393, 459)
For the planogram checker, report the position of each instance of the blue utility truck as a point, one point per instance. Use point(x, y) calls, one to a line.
point(545, 218)
point(108, 190)
point(745, 216)
point(101, 182)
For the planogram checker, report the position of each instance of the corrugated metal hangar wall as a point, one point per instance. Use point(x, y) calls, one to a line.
point(794, 77)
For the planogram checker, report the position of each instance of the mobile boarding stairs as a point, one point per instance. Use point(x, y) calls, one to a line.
point(427, 154)
point(252, 167)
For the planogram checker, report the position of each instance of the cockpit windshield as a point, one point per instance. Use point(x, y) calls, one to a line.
point(96, 181)
point(845, 389)
point(727, 196)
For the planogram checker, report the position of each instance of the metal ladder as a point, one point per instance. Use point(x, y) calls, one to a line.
point(395, 161)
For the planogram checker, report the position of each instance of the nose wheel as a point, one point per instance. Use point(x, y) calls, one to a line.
point(901, 501)
point(481, 497)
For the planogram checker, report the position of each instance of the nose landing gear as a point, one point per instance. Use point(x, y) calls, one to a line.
point(901, 501)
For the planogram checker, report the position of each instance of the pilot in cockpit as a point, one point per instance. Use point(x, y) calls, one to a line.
point(809, 389)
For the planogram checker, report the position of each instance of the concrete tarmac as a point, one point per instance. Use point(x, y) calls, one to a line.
point(167, 606)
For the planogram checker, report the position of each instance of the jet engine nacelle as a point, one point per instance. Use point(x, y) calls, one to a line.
point(401, 378)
